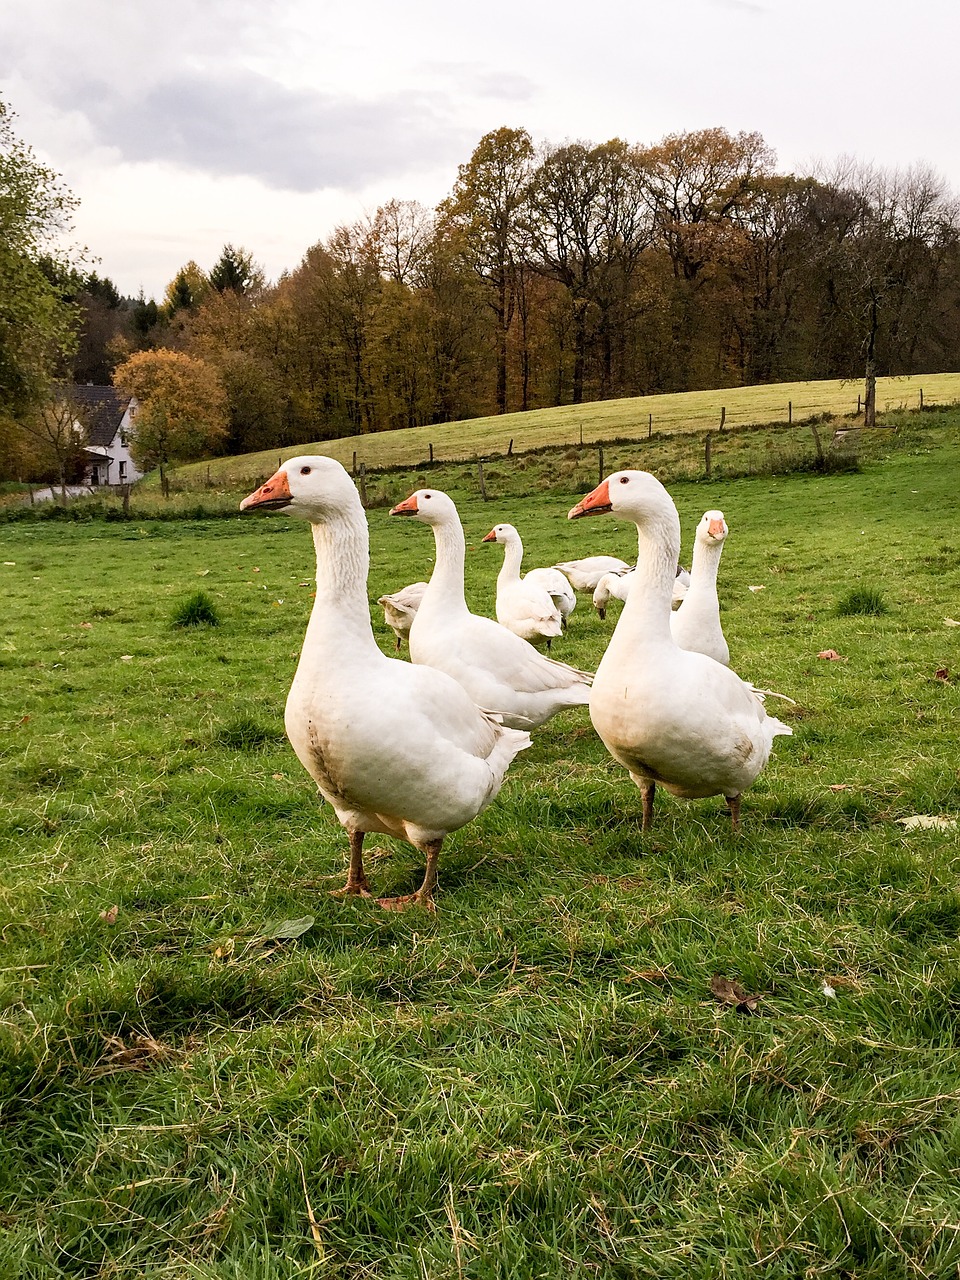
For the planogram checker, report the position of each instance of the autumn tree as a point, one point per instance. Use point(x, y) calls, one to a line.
point(186, 290)
point(182, 414)
point(38, 323)
point(486, 207)
point(57, 432)
point(589, 223)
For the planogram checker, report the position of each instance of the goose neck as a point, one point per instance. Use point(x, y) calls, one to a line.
point(447, 577)
point(646, 613)
point(512, 559)
point(341, 611)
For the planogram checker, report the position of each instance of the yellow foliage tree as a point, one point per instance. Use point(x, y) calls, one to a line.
point(182, 413)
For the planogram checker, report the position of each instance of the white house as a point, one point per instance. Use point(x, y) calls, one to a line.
point(109, 425)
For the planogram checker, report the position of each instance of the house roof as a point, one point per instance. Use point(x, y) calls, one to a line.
point(104, 409)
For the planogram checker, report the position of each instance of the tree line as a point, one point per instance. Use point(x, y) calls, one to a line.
point(550, 275)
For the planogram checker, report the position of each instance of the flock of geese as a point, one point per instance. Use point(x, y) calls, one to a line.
point(417, 749)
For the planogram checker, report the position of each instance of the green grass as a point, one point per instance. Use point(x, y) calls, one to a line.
point(537, 1082)
point(682, 413)
point(198, 610)
point(862, 600)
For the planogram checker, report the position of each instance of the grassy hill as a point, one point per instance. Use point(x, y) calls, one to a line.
point(603, 420)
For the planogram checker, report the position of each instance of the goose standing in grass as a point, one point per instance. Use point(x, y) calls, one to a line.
point(696, 624)
point(667, 715)
point(500, 671)
point(399, 608)
point(616, 585)
point(583, 575)
point(520, 597)
point(395, 748)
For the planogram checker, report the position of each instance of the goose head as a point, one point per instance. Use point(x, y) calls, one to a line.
point(313, 487)
point(634, 495)
point(502, 533)
point(712, 528)
point(432, 506)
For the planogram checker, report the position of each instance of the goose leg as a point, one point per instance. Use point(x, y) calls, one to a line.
point(424, 895)
point(646, 794)
point(356, 878)
point(733, 804)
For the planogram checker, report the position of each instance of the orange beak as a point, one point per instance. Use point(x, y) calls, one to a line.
point(408, 507)
point(594, 504)
point(273, 495)
point(490, 537)
point(717, 528)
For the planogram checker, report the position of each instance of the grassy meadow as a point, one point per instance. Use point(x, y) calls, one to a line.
point(680, 413)
point(212, 1070)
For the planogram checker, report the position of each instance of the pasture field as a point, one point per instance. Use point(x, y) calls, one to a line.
point(682, 413)
point(211, 1070)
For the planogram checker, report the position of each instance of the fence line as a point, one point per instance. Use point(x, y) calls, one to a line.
point(689, 424)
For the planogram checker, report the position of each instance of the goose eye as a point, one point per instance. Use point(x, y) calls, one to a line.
point(305, 471)
point(624, 479)
point(428, 495)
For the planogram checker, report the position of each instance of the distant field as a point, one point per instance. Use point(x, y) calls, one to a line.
point(691, 411)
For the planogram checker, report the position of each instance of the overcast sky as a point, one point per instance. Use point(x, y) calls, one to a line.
point(183, 125)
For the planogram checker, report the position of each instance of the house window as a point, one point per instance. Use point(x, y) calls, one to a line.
point(95, 476)
point(123, 439)
point(123, 471)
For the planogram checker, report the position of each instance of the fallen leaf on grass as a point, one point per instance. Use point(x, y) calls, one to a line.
point(140, 1053)
point(942, 673)
point(951, 622)
point(839, 786)
point(729, 991)
point(926, 822)
point(288, 929)
point(87, 626)
point(830, 654)
point(828, 991)
point(756, 588)
point(110, 914)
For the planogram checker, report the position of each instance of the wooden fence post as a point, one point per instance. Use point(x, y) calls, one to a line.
point(723, 417)
point(431, 452)
point(707, 462)
point(126, 502)
point(858, 403)
point(354, 462)
point(789, 413)
point(921, 397)
point(649, 425)
point(483, 487)
point(581, 434)
point(362, 483)
point(510, 447)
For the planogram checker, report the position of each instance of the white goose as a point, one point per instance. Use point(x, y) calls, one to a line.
point(696, 624)
point(518, 596)
point(399, 608)
point(395, 748)
point(666, 714)
point(616, 585)
point(583, 575)
point(501, 672)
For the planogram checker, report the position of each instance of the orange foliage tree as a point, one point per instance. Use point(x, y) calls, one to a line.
point(182, 414)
